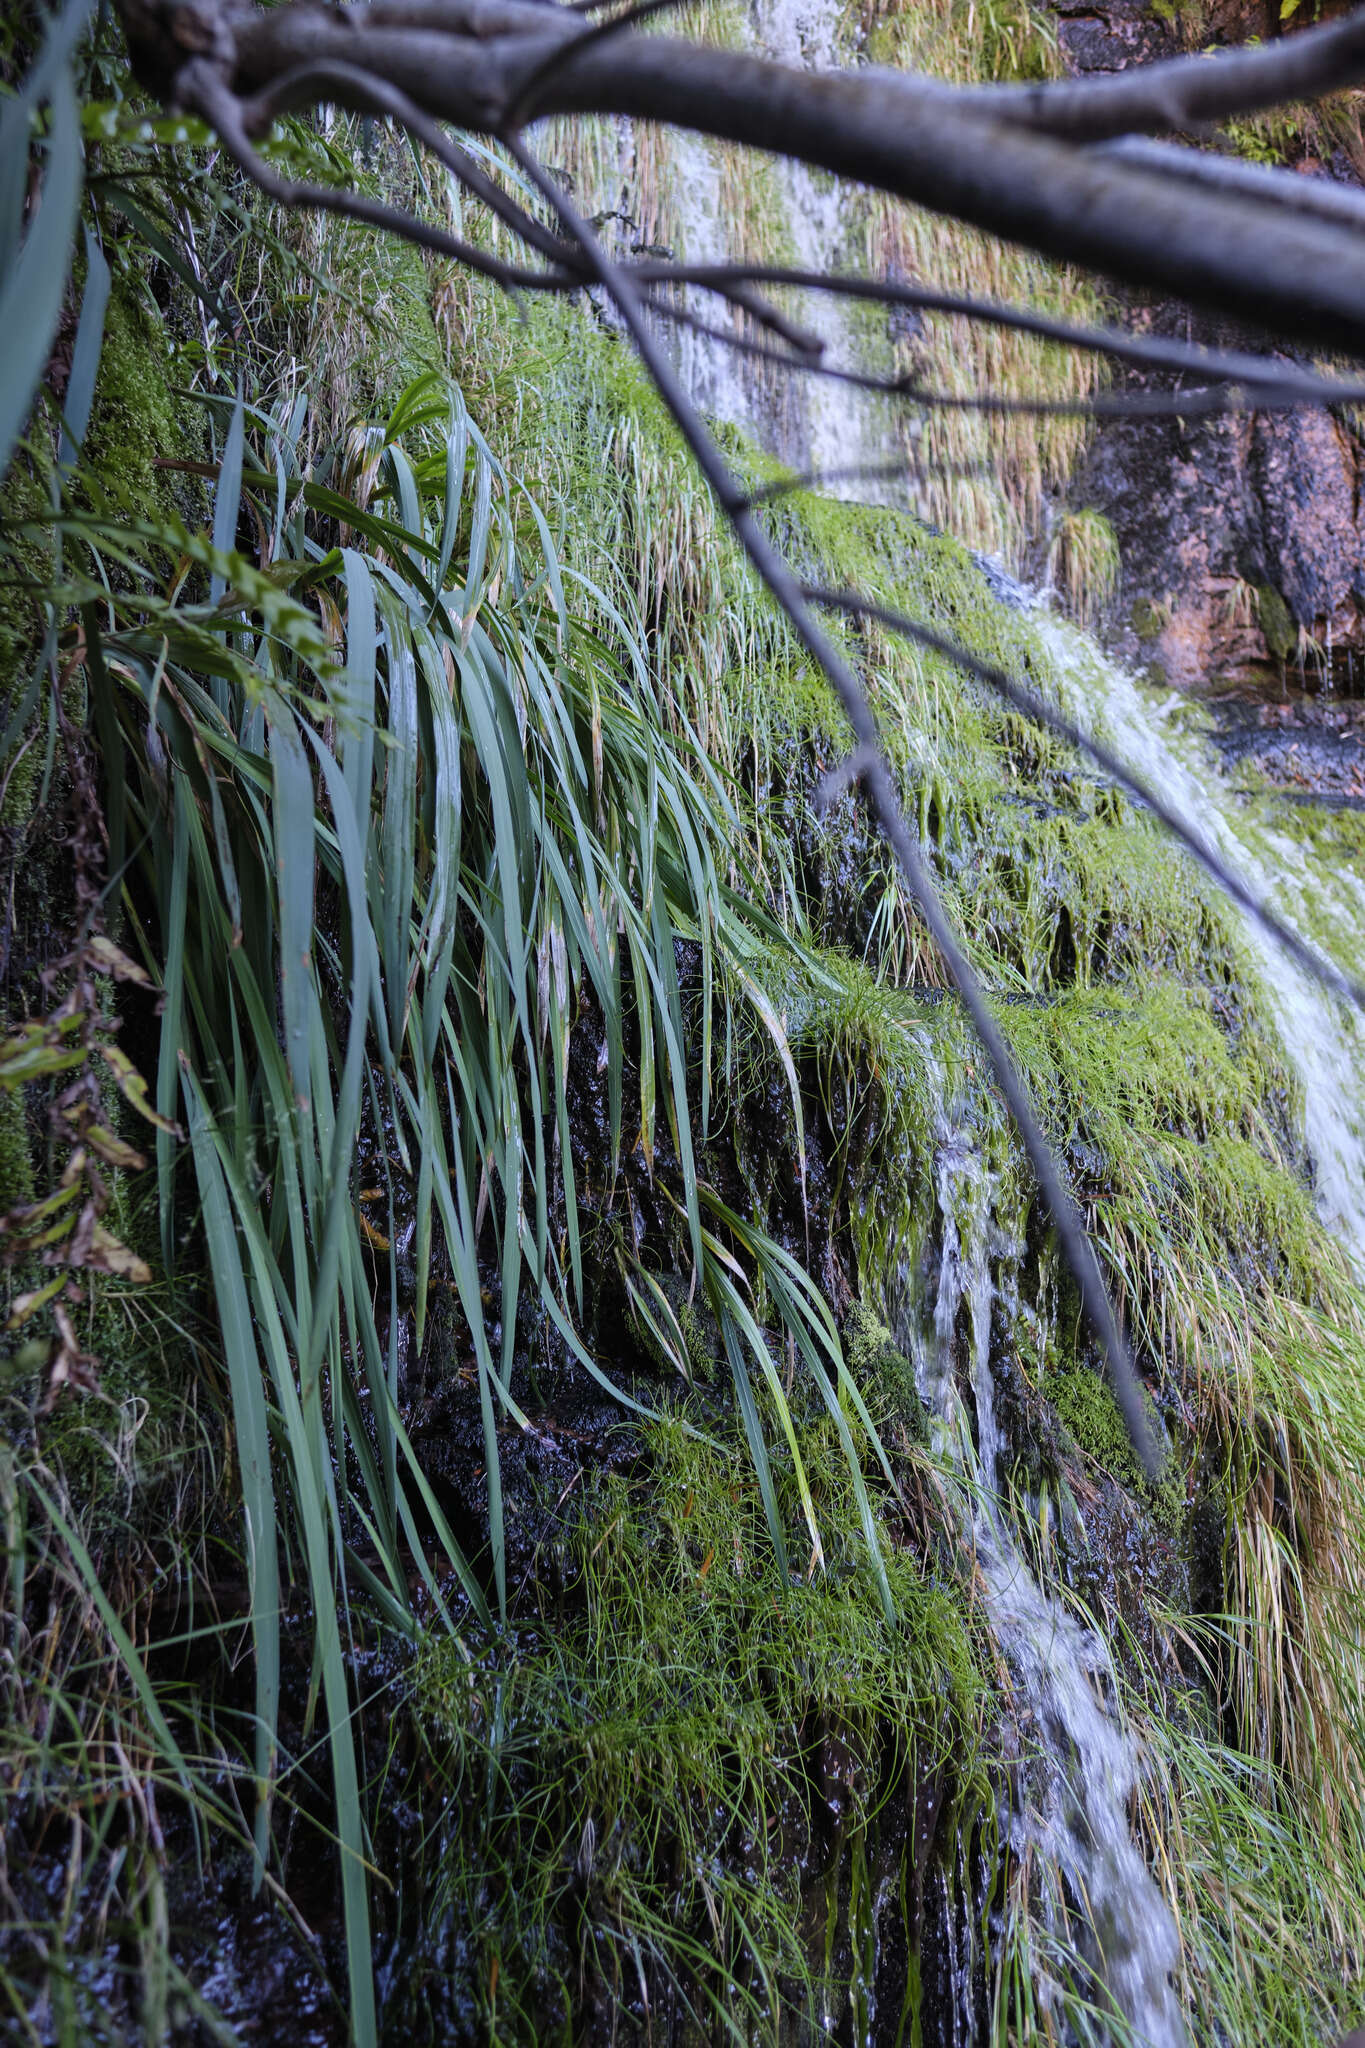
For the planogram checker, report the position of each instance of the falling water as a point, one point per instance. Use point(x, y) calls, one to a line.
point(1071, 1802)
point(1070, 1806)
point(1323, 1039)
point(812, 422)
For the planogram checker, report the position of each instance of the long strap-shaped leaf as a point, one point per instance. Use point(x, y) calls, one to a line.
point(33, 283)
point(251, 1427)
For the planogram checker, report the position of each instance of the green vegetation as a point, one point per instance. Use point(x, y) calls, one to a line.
point(517, 1351)
point(1083, 563)
point(652, 1799)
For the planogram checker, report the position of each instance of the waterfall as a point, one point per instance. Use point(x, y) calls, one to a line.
point(1069, 1816)
point(1070, 1804)
point(1324, 1040)
point(811, 422)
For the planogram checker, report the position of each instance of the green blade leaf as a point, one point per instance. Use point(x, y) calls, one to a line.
point(31, 294)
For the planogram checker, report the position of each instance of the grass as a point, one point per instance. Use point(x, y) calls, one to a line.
point(391, 790)
point(651, 1802)
point(448, 750)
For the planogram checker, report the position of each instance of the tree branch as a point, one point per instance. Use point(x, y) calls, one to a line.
point(1001, 158)
point(1035, 708)
point(1148, 352)
point(1188, 93)
point(879, 793)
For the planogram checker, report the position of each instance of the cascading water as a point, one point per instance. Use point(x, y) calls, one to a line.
point(813, 423)
point(1069, 1816)
point(1323, 1040)
point(1073, 1800)
point(1070, 1804)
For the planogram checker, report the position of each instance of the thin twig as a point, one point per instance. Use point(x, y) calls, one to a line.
point(1285, 394)
point(1148, 352)
point(1040, 712)
point(363, 93)
point(202, 91)
point(902, 469)
point(880, 794)
point(981, 156)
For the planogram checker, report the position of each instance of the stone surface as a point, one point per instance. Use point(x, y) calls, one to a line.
point(1242, 539)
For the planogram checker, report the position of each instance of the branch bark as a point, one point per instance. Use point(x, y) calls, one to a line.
point(1003, 159)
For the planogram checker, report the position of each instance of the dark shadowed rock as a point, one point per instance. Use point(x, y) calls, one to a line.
point(1242, 539)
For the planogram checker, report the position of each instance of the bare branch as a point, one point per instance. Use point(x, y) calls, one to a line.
point(978, 155)
point(1189, 93)
point(1040, 712)
point(1341, 204)
point(1279, 392)
point(879, 791)
point(1004, 159)
point(1150, 352)
point(203, 92)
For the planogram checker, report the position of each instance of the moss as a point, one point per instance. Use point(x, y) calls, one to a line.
point(1277, 623)
point(25, 564)
point(1168, 1128)
point(1148, 618)
point(671, 1758)
point(138, 418)
point(679, 1338)
point(1085, 1406)
point(16, 1166)
point(883, 1372)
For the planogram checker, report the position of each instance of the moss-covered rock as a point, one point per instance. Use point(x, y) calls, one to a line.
point(685, 1748)
point(1277, 623)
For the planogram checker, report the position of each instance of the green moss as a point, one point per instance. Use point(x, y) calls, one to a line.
point(16, 1166)
point(138, 419)
point(883, 1372)
point(1169, 1125)
point(660, 1760)
point(25, 564)
point(1086, 1408)
point(1148, 618)
point(1277, 623)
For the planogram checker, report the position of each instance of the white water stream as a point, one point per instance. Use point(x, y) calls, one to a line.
point(1072, 1806)
point(1080, 1766)
point(812, 422)
point(1076, 1789)
point(1323, 1039)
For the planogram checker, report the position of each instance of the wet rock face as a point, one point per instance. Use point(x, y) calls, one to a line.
point(1109, 38)
point(1109, 35)
point(1242, 539)
point(1306, 745)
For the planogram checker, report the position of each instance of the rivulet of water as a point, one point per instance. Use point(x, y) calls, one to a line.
point(1323, 1038)
point(1080, 1770)
point(808, 421)
point(1071, 1800)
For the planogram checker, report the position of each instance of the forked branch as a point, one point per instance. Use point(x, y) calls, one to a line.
point(1014, 161)
point(1019, 162)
